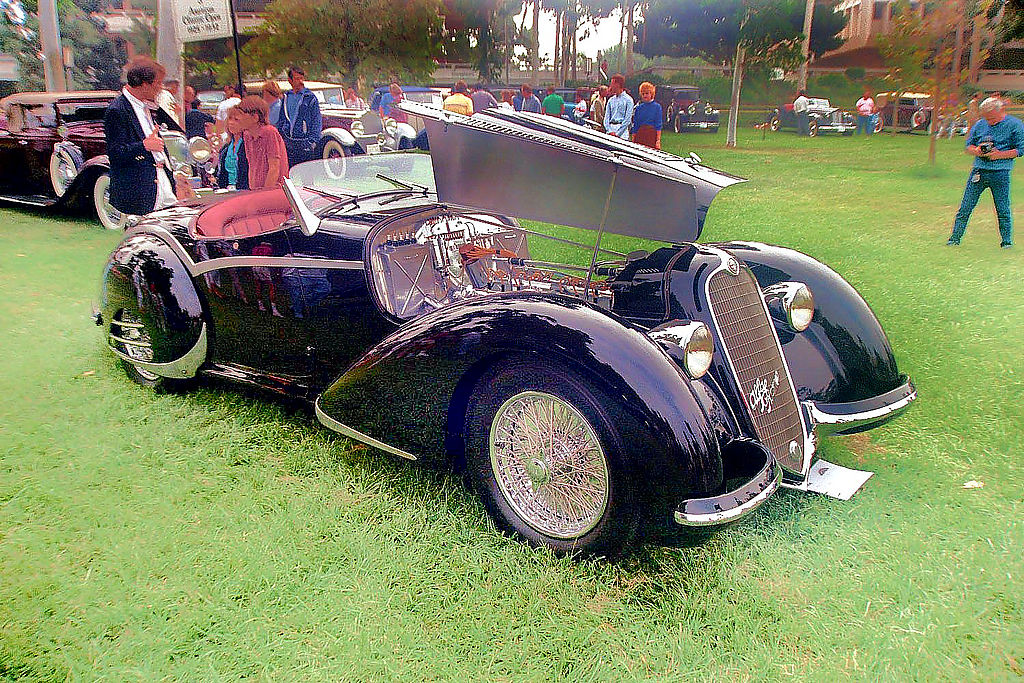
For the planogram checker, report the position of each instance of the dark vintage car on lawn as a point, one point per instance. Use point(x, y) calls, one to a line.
point(596, 398)
point(685, 110)
point(53, 153)
point(913, 111)
point(823, 118)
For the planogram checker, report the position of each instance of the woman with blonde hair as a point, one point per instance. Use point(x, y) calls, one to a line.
point(264, 146)
point(272, 96)
point(647, 118)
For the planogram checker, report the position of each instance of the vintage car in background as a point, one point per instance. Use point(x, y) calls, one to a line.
point(684, 109)
point(53, 153)
point(326, 93)
point(597, 398)
point(822, 118)
point(913, 111)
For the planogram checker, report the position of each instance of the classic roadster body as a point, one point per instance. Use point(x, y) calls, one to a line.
point(597, 399)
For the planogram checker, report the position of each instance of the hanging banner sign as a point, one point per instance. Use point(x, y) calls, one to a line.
point(202, 19)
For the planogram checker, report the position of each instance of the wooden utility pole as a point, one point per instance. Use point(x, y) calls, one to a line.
point(806, 47)
point(53, 55)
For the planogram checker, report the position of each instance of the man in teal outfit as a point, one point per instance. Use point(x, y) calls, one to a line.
point(995, 141)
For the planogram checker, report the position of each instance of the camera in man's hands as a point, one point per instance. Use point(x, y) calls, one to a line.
point(987, 147)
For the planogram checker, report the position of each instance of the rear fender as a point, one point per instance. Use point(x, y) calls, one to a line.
point(844, 356)
point(409, 391)
point(144, 276)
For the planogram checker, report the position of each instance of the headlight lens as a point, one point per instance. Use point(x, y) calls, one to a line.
point(800, 309)
point(200, 149)
point(357, 128)
point(391, 126)
point(791, 303)
point(688, 343)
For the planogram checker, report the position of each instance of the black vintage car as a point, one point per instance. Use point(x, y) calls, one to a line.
point(596, 398)
point(822, 118)
point(685, 110)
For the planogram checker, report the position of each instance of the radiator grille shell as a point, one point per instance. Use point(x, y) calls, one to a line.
point(755, 359)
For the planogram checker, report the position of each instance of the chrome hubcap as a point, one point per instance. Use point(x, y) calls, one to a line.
point(549, 464)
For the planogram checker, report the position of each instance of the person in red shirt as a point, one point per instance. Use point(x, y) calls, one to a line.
point(264, 146)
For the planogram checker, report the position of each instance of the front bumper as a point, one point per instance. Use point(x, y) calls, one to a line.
point(857, 416)
point(741, 500)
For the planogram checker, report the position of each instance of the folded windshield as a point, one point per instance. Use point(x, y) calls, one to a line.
point(355, 176)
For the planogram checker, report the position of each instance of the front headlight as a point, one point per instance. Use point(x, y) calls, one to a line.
point(791, 303)
point(200, 150)
point(688, 343)
point(357, 128)
point(391, 126)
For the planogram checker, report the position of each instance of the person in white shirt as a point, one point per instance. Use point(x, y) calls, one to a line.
point(800, 106)
point(866, 113)
point(231, 98)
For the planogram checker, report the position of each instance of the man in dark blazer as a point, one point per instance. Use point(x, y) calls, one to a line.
point(132, 127)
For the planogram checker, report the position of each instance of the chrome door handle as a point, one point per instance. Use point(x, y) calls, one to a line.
point(22, 142)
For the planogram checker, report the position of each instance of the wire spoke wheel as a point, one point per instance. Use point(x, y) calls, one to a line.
point(549, 464)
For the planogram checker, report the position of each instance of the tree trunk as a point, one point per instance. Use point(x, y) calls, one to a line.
point(574, 56)
point(53, 55)
point(629, 41)
point(535, 45)
point(975, 60)
point(734, 107)
point(556, 58)
point(936, 110)
point(622, 39)
point(806, 47)
point(958, 53)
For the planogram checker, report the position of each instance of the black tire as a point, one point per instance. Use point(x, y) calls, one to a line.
point(714, 129)
point(812, 128)
point(879, 124)
point(605, 520)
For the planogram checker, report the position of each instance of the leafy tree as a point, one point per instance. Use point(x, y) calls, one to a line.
point(358, 39)
point(744, 33)
point(474, 31)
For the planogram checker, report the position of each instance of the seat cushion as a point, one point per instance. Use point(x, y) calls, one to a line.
point(244, 215)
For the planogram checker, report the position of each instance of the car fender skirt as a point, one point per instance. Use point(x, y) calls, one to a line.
point(409, 390)
point(844, 356)
point(145, 277)
point(754, 475)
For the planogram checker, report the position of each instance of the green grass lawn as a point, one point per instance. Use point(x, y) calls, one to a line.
point(221, 534)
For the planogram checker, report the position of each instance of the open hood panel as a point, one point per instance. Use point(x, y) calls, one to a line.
point(543, 168)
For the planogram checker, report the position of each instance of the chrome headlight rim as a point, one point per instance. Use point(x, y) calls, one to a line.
point(792, 302)
point(689, 343)
point(357, 128)
point(391, 126)
point(200, 150)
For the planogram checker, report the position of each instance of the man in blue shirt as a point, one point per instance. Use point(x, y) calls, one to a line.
point(618, 110)
point(300, 122)
point(995, 141)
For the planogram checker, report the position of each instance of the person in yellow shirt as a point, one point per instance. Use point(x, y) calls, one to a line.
point(458, 101)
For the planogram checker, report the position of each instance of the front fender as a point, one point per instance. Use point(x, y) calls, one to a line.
point(844, 356)
point(80, 191)
point(340, 134)
point(144, 276)
point(409, 390)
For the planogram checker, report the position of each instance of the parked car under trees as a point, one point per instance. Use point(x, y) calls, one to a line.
point(822, 118)
point(597, 398)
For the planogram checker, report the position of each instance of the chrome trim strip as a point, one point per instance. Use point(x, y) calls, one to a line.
point(273, 262)
point(732, 514)
point(182, 368)
point(130, 342)
point(809, 442)
point(837, 422)
point(333, 424)
point(121, 323)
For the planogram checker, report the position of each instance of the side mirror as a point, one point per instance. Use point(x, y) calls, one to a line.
point(308, 221)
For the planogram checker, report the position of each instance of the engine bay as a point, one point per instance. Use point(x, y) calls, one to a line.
point(422, 263)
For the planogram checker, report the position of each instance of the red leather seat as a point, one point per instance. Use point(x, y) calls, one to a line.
point(244, 215)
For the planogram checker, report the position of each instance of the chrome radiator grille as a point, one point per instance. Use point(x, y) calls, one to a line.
point(757, 365)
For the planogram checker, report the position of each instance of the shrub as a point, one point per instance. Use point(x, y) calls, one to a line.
point(856, 73)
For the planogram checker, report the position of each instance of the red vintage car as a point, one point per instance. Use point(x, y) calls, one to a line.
point(913, 111)
point(53, 153)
